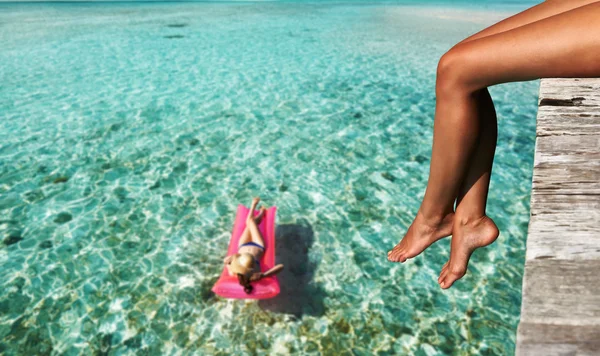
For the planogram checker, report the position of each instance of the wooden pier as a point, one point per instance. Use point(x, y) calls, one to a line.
point(560, 312)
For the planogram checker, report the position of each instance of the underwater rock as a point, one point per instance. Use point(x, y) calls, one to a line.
point(134, 342)
point(61, 179)
point(194, 142)
point(421, 159)
point(180, 168)
point(12, 239)
point(121, 194)
point(38, 342)
point(177, 25)
point(34, 195)
point(388, 176)
point(174, 36)
point(358, 115)
point(162, 330)
point(63, 218)
point(182, 339)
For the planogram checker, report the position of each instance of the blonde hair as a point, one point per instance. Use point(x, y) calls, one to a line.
point(246, 260)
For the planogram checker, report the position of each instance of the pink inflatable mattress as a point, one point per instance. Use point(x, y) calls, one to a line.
point(228, 286)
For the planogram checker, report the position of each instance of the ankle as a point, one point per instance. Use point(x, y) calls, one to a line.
point(463, 219)
point(432, 219)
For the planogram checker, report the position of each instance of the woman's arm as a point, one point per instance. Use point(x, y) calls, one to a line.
point(273, 271)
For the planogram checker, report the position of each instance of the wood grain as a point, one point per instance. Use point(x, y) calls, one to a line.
point(560, 311)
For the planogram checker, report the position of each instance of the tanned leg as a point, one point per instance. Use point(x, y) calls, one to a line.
point(247, 234)
point(433, 224)
point(472, 197)
point(246, 237)
point(564, 45)
point(252, 223)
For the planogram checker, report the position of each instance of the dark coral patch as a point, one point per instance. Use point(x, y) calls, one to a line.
point(63, 218)
point(46, 244)
point(177, 25)
point(61, 179)
point(388, 176)
point(174, 36)
point(12, 239)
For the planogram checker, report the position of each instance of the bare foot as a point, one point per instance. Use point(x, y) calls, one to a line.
point(258, 218)
point(252, 208)
point(466, 237)
point(420, 235)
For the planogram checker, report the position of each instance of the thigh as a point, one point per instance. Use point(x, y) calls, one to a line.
point(564, 45)
point(541, 11)
point(256, 235)
point(245, 237)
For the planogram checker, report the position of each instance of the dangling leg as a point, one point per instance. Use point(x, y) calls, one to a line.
point(564, 45)
point(430, 224)
point(470, 222)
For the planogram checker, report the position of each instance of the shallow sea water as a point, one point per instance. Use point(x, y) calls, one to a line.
point(130, 132)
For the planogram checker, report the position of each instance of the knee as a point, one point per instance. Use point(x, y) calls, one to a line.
point(454, 72)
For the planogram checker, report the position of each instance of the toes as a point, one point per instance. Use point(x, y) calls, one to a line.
point(258, 218)
point(443, 272)
point(398, 254)
point(394, 253)
point(254, 203)
point(393, 256)
point(451, 277)
point(403, 256)
point(442, 275)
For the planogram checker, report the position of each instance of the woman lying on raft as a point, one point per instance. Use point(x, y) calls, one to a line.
point(251, 247)
point(553, 39)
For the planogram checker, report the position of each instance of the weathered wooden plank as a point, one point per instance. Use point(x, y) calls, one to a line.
point(567, 163)
point(539, 333)
point(567, 107)
point(565, 92)
point(567, 121)
point(569, 149)
point(564, 227)
point(560, 313)
point(562, 292)
point(567, 179)
point(529, 348)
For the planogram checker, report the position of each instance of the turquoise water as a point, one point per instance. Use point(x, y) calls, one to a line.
point(130, 132)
